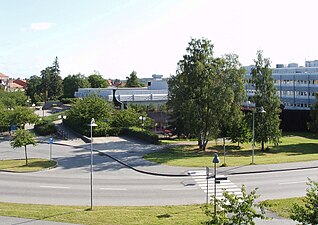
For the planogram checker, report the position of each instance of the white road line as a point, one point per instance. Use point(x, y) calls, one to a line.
point(114, 189)
point(57, 187)
point(295, 182)
point(179, 189)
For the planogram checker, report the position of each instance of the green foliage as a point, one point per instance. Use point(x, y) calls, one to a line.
point(21, 115)
point(68, 100)
point(33, 89)
point(236, 210)
point(45, 127)
point(205, 93)
point(132, 80)
point(142, 134)
point(125, 118)
point(96, 80)
point(72, 83)
point(12, 99)
point(307, 214)
point(22, 138)
point(313, 124)
point(79, 116)
point(266, 124)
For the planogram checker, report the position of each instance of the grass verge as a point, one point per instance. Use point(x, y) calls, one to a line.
point(282, 207)
point(18, 165)
point(104, 215)
point(293, 148)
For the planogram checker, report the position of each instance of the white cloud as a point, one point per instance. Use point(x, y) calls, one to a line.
point(38, 26)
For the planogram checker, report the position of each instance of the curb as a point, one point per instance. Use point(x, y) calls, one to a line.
point(273, 171)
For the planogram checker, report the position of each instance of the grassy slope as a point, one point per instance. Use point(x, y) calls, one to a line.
point(156, 215)
point(18, 165)
point(293, 148)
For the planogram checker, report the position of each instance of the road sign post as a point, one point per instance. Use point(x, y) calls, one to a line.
point(51, 140)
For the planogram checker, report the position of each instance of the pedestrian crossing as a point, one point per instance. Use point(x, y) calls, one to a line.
point(224, 184)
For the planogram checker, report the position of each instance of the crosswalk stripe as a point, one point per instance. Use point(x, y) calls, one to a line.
point(199, 176)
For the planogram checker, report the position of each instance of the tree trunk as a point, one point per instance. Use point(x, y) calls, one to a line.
point(200, 141)
point(262, 145)
point(26, 155)
point(224, 151)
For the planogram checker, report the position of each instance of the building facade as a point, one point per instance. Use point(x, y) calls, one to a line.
point(156, 92)
point(296, 85)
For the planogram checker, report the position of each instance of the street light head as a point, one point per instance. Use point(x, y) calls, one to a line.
point(216, 158)
point(92, 124)
point(261, 110)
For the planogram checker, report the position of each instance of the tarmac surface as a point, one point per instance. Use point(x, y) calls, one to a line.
point(250, 169)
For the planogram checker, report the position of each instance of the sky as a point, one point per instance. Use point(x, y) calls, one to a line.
point(116, 37)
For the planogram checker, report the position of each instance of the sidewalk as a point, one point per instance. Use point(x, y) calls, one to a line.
point(6, 220)
point(267, 168)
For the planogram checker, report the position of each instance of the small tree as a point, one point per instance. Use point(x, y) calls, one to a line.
point(22, 138)
point(132, 80)
point(235, 209)
point(307, 214)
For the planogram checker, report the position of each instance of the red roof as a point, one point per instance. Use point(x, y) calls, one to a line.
point(3, 76)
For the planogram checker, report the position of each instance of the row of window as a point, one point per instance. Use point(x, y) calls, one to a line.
point(302, 105)
point(297, 93)
point(296, 82)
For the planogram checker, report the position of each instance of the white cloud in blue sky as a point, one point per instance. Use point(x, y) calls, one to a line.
point(149, 36)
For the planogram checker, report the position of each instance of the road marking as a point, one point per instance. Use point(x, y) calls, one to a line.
point(295, 182)
point(179, 189)
point(57, 187)
point(114, 189)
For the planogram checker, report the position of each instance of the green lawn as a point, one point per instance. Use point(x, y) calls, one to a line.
point(282, 206)
point(294, 147)
point(150, 215)
point(18, 165)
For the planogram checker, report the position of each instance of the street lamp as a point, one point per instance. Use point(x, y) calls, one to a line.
point(142, 118)
point(92, 124)
point(62, 117)
point(253, 129)
point(215, 161)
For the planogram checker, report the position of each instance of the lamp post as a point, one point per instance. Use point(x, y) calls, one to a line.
point(142, 118)
point(92, 124)
point(62, 117)
point(215, 161)
point(253, 130)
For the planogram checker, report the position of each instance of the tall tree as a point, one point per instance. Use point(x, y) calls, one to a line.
point(33, 88)
point(97, 81)
point(46, 83)
point(56, 80)
point(202, 93)
point(22, 138)
point(266, 124)
point(132, 80)
point(313, 124)
point(72, 83)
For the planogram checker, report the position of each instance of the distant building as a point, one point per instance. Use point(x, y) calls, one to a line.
point(156, 93)
point(4, 81)
point(296, 86)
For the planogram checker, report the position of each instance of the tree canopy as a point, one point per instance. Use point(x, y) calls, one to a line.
point(96, 80)
point(22, 138)
point(205, 92)
point(72, 83)
point(266, 124)
point(132, 80)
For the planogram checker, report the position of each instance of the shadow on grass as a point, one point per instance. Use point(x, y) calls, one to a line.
point(184, 152)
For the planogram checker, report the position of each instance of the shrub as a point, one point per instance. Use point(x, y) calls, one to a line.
point(142, 134)
point(45, 128)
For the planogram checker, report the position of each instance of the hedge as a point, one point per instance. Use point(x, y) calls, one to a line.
point(45, 128)
point(142, 134)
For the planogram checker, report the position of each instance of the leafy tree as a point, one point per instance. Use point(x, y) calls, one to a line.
point(56, 87)
point(22, 138)
point(33, 88)
point(266, 124)
point(97, 81)
point(125, 118)
point(234, 209)
point(12, 99)
point(132, 80)
point(313, 124)
point(198, 96)
point(45, 83)
point(21, 116)
point(72, 83)
point(240, 131)
point(307, 214)
point(90, 107)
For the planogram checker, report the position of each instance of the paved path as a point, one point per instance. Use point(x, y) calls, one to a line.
point(6, 220)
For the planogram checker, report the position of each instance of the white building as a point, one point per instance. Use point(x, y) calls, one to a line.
point(156, 93)
point(296, 85)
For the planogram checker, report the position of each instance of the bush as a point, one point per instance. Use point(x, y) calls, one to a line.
point(45, 128)
point(68, 100)
point(142, 134)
